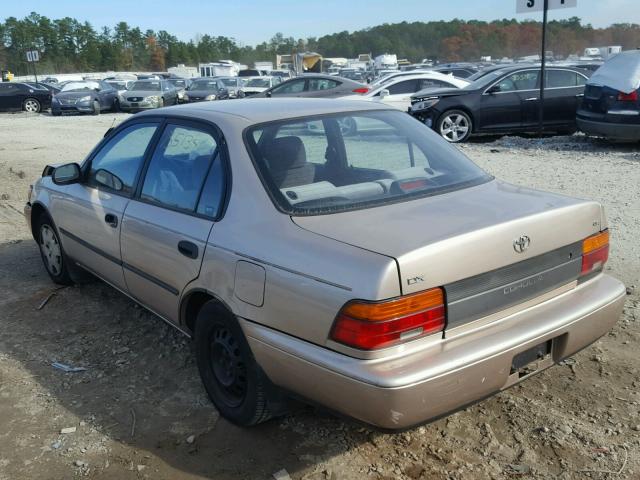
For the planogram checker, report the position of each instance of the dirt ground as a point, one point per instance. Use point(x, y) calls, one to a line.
point(139, 410)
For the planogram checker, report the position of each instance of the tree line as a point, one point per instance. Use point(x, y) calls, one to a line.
point(68, 45)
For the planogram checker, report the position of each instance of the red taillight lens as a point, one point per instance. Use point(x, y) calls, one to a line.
point(360, 90)
point(373, 325)
point(628, 97)
point(595, 252)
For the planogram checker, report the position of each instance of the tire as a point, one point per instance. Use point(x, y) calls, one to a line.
point(55, 261)
point(348, 126)
point(31, 105)
point(235, 383)
point(161, 103)
point(96, 107)
point(454, 126)
point(116, 106)
point(240, 94)
point(55, 114)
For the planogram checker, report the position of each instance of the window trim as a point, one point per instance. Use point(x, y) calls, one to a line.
point(533, 89)
point(220, 152)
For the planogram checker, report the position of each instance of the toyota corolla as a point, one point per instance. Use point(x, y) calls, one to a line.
point(375, 270)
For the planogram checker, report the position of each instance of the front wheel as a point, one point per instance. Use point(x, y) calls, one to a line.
point(96, 107)
point(455, 126)
point(236, 384)
point(31, 105)
point(116, 106)
point(51, 251)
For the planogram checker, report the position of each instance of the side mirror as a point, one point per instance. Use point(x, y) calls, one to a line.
point(494, 89)
point(67, 174)
point(384, 93)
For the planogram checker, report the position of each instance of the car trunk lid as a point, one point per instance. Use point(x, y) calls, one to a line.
point(489, 246)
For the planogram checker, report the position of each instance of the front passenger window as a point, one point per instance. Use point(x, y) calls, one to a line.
point(115, 166)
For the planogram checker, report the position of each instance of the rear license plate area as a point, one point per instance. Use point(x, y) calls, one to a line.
point(531, 360)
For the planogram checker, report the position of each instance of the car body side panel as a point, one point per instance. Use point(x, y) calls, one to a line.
point(79, 213)
point(154, 269)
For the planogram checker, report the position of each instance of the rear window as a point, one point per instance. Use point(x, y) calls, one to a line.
point(330, 163)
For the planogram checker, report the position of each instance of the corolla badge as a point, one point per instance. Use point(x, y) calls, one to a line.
point(521, 244)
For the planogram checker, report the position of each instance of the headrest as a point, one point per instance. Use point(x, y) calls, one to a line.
point(285, 153)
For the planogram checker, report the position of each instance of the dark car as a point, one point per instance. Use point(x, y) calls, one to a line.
point(503, 101)
point(52, 88)
point(20, 96)
point(204, 90)
point(321, 86)
point(460, 71)
point(611, 104)
point(89, 96)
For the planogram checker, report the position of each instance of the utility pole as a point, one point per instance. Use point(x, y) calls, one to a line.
point(542, 67)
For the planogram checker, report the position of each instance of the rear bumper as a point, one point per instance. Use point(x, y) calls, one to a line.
point(623, 131)
point(399, 392)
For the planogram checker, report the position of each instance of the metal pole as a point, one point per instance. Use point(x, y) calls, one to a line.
point(542, 65)
point(35, 74)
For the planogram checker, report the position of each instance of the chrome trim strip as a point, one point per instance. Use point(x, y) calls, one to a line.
point(279, 267)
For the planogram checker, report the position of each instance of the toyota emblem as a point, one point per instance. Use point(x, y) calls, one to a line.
point(521, 244)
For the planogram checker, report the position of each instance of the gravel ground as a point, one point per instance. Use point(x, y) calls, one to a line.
point(139, 411)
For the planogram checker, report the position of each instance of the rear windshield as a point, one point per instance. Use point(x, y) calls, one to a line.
point(330, 163)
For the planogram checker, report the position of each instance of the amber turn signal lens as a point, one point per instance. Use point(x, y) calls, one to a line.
point(595, 252)
point(373, 325)
point(594, 242)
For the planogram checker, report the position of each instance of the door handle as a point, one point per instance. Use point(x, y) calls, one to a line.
point(532, 99)
point(111, 220)
point(188, 249)
point(580, 95)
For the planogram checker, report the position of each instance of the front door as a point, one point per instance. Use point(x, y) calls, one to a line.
point(89, 214)
point(10, 98)
point(166, 226)
point(502, 107)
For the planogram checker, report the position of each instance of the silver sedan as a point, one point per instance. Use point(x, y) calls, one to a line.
point(372, 269)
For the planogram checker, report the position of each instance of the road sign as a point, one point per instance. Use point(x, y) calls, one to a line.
point(528, 6)
point(33, 56)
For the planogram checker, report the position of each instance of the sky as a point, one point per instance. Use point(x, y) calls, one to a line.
point(254, 21)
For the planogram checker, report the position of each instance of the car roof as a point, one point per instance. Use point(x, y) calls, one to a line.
point(259, 110)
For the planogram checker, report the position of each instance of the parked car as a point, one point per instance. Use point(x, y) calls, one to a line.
point(283, 74)
point(120, 85)
point(392, 76)
point(181, 85)
point(233, 85)
point(398, 91)
point(20, 96)
point(85, 97)
point(250, 72)
point(380, 273)
point(314, 85)
point(503, 101)
point(51, 88)
point(260, 84)
point(205, 89)
point(460, 72)
point(148, 94)
point(611, 105)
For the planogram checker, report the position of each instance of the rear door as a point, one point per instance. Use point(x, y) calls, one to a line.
point(563, 93)
point(292, 88)
point(89, 214)
point(166, 226)
point(10, 98)
point(320, 87)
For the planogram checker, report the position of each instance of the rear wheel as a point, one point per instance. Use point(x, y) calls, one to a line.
point(31, 105)
point(455, 126)
point(236, 384)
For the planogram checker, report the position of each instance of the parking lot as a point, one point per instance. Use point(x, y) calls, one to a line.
point(140, 411)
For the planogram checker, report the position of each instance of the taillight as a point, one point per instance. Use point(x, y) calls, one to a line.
point(628, 97)
point(372, 325)
point(595, 252)
point(360, 90)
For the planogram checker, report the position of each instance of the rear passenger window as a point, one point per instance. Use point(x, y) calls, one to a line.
point(178, 168)
point(561, 78)
point(408, 86)
point(322, 84)
point(116, 164)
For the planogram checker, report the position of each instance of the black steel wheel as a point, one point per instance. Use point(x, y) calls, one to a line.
point(235, 383)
